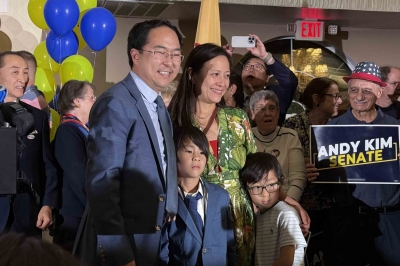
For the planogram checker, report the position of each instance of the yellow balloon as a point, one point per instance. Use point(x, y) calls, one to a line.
point(81, 41)
point(55, 122)
point(36, 14)
point(44, 60)
point(86, 4)
point(76, 67)
point(45, 82)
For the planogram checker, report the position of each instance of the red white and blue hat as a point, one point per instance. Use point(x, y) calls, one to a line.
point(366, 71)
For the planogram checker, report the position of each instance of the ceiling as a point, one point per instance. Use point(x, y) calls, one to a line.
point(252, 14)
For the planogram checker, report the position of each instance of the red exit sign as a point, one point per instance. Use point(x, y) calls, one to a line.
point(310, 30)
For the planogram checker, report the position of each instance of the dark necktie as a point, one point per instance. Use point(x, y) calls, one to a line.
point(191, 203)
point(170, 176)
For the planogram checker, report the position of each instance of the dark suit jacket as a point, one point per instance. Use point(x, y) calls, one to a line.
point(125, 183)
point(38, 163)
point(70, 151)
point(181, 241)
point(286, 88)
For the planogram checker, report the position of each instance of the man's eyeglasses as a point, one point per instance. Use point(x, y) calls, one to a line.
point(257, 67)
point(336, 96)
point(163, 55)
point(270, 188)
point(93, 97)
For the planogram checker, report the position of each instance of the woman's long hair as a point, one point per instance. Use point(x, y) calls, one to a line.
point(183, 104)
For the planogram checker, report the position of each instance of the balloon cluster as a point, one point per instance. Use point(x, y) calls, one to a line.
point(73, 24)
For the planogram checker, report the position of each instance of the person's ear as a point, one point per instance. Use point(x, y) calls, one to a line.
point(380, 91)
point(190, 74)
point(233, 89)
point(315, 99)
point(253, 114)
point(135, 55)
point(77, 103)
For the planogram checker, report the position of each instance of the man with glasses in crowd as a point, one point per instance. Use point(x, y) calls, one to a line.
point(256, 74)
point(363, 225)
point(389, 100)
point(257, 70)
point(131, 176)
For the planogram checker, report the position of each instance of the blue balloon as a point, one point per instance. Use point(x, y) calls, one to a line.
point(61, 15)
point(60, 48)
point(98, 27)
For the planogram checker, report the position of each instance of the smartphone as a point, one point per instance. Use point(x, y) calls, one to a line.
point(243, 41)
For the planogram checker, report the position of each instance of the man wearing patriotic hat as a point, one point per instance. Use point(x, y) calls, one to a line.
point(363, 226)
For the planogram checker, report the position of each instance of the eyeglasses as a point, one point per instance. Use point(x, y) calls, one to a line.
point(163, 55)
point(257, 67)
point(272, 109)
point(270, 188)
point(93, 97)
point(336, 96)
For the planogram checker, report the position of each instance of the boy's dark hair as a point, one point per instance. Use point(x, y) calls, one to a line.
point(257, 166)
point(192, 133)
point(19, 249)
point(139, 34)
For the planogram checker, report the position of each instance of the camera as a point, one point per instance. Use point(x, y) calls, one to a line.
point(251, 40)
point(15, 122)
point(243, 41)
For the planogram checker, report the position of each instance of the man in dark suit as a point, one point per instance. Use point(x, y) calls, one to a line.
point(257, 70)
point(131, 170)
point(20, 213)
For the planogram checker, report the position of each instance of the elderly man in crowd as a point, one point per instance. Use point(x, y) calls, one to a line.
point(30, 210)
point(363, 226)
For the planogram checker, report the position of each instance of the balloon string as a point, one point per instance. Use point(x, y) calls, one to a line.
point(94, 64)
point(59, 59)
point(51, 67)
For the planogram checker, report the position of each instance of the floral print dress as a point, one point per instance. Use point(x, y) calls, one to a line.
point(235, 142)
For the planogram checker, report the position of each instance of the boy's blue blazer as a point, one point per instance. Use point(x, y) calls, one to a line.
point(181, 241)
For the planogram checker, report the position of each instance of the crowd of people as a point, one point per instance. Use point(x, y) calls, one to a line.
point(205, 171)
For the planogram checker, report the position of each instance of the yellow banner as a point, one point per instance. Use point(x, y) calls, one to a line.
point(208, 26)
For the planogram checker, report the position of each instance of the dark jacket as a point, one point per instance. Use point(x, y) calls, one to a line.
point(38, 164)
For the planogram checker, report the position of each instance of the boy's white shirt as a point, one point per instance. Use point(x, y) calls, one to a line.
point(202, 203)
point(278, 227)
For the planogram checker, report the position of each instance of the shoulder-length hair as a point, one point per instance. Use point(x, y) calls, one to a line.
point(183, 104)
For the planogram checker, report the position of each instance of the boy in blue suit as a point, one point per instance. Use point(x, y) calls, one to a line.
point(202, 232)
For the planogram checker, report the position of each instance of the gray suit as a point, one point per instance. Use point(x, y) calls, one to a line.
point(126, 187)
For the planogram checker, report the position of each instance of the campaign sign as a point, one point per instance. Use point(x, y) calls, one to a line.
point(365, 154)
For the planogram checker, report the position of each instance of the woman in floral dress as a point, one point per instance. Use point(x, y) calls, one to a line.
point(203, 83)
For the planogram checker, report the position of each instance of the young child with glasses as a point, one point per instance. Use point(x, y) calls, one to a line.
point(279, 240)
point(202, 233)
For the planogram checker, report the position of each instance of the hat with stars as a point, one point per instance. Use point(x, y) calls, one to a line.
point(366, 71)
